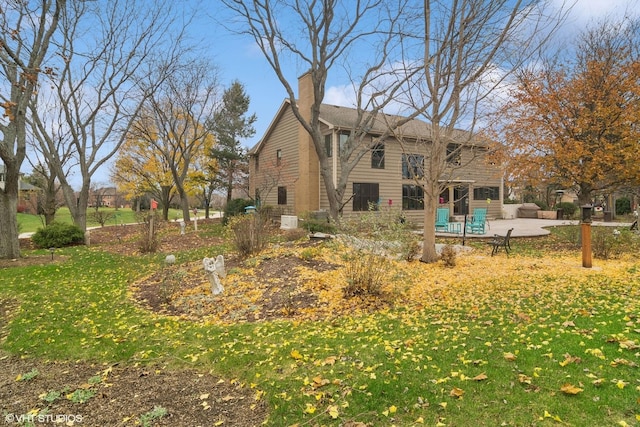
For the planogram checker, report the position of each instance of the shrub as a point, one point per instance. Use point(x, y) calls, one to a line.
point(448, 256)
point(383, 232)
point(607, 243)
point(365, 274)
point(542, 204)
point(250, 233)
point(101, 217)
point(149, 240)
point(235, 207)
point(623, 206)
point(569, 209)
point(57, 235)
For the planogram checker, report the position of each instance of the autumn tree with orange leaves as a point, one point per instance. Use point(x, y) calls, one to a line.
point(575, 124)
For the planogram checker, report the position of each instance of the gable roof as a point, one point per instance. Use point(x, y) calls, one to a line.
point(337, 117)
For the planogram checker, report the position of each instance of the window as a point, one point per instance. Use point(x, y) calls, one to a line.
point(412, 197)
point(328, 145)
point(412, 166)
point(483, 193)
point(282, 195)
point(364, 194)
point(257, 162)
point(453, 154)
point(377, 157)
point(344, 137)
point(278, 157)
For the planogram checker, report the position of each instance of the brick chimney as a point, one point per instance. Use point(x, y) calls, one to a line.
point(307, 195)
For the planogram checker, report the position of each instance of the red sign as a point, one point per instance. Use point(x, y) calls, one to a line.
point(154, 205)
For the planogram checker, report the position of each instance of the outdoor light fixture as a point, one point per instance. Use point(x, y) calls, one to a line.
point(51, 251)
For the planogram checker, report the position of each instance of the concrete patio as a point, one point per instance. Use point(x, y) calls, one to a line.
point(527, 227)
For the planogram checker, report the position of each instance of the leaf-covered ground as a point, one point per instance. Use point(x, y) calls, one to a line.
point(529, 339)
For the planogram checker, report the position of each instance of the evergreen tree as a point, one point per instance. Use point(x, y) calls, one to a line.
point(230, 125)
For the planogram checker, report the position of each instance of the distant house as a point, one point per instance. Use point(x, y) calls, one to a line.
point(284, 167)
point(105, 197)
point(27, 195)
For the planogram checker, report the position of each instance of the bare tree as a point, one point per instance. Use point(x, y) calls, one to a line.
point(469, 48)
point(111, 56)
point(321, 36)
point(27, 28)
point(175, 118)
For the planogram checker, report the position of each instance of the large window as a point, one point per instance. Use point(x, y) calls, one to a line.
point(412, 166)
point(377, 157)
point(282, 195)
point(412, 197)
point(365, 193)
point(483, 193)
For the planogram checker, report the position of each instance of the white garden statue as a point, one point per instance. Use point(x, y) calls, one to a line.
point(214, 267)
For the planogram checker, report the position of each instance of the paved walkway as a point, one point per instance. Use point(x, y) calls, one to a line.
point(528, 227)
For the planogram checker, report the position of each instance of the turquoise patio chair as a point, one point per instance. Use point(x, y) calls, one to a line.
point(442, 219)
point(477, 222)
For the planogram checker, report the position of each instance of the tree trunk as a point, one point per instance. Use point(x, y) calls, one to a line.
point(9, 237)
point(184, 203)
point(429, 253)
point(77, 203)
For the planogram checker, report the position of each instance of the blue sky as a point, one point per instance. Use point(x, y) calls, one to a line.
point(239, 58)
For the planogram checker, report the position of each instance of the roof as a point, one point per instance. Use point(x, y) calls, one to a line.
point(338, 117)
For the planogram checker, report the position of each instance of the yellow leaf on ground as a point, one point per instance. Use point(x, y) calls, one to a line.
point(570, 389)
point(510, 357)
point(333, 412)
point(296, 354)
point(456, 392)
point(480, 377)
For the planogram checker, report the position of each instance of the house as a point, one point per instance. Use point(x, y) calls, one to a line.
point(284, 168)
point(27, 194)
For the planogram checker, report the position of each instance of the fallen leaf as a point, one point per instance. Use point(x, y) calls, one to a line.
point(570, 389)
point(456, 392)
point(480, 377)
point(510, 357)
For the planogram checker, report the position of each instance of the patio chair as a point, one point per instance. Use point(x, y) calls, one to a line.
point(442, 219)
point(501, 242)
point(477, 222)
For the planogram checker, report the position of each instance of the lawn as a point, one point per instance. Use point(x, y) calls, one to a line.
point(30, 223)
point(529, 339)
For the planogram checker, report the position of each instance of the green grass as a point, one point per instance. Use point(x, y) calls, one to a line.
point(30, 223)
point(399, 367)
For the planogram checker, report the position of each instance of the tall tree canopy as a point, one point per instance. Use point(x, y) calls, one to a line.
point(174, 119)
point(231, 124)
point(429, 59)
point(26, 29)
point(574, 123)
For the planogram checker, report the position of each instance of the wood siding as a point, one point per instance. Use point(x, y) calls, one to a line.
point(284, 137)
point(475, 173)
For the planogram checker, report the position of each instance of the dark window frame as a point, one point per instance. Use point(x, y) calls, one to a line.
point(365, 194)
point(454, 154)
point(486, 192)
point(412, 197)
point(412, 166)
point(328, 145)
point(377, 156)
point(282, 195)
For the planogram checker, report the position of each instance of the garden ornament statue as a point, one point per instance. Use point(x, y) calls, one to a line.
point(214, 267)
